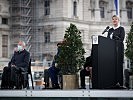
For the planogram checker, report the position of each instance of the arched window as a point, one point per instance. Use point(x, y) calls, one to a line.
point(5, 46)
point(102, 12)
point(75, 8)
point(129, 6)
point(103, 8)
point(46, 37)
point(47, 7)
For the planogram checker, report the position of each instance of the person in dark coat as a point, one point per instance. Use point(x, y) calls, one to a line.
point(117, 33)
point(6, 80)
point(53, 72)
point(19, 64)
point(86, 71)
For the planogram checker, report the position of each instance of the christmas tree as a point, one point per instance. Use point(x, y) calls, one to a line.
point(129, 44)
point(71, 55)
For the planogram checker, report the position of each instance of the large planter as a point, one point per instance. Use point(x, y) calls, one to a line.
point(70, 82)
point(39, 83)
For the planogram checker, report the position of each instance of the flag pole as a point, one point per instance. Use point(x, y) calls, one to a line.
point(118, 9)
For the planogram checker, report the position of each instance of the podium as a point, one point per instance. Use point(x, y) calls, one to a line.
point(107, 63)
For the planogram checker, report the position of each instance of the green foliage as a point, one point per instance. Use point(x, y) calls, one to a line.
point(129, 41)
point(71, 55)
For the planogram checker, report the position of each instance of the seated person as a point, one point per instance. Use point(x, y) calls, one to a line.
point(53, 72)
point(6, 80)
point(19, 63)
point(87, 71)
point(127, 74)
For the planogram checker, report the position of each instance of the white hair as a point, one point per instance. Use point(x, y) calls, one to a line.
point(24, 44)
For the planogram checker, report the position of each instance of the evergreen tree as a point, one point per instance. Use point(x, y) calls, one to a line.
point(129, 41)
point(71, 55)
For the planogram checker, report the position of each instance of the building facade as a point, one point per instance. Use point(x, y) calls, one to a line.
point(4, 32)
point(42, 23)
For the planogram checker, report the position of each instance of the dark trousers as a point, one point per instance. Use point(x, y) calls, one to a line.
point(19, 75)
point(18, 70)
point(127, 74)
point(53, 73)
point(46, 78)
point(83, 73)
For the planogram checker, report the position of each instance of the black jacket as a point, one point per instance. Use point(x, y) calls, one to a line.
point(88, 62)
point(118, 33)
point(21, 59)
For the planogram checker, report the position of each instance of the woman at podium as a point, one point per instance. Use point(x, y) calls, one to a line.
point(117, 32)
point(107, 58)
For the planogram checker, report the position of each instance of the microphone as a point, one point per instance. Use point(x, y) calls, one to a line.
point(105, 29)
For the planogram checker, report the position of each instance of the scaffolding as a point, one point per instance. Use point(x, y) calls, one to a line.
point(21, 21)
point(25, 26)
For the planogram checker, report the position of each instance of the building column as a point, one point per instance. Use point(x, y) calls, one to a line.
point(97, 11)
point(113, 8)
point(89, 9)
point(86, 10)
point(1, 44)
point(124, 12)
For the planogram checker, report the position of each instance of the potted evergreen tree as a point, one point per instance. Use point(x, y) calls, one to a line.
point(129, 49)
point(129, 44)
point(71, 55)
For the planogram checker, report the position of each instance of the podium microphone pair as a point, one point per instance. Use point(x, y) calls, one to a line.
point(106, 29)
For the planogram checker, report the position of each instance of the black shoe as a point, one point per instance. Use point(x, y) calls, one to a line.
point(56, 86)
point(82, 87)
